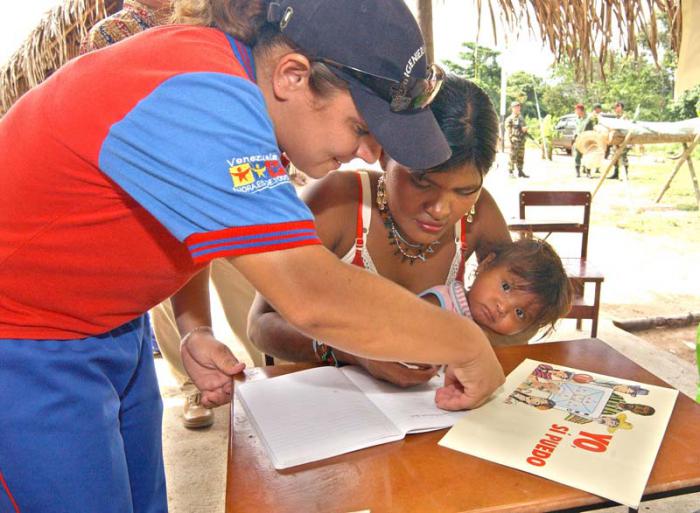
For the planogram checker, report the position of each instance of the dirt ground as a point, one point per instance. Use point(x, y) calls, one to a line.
point(679, 341)
point(644, 276)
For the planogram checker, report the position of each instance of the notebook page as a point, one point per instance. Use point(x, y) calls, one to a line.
point(313, 414)
point(412, 409)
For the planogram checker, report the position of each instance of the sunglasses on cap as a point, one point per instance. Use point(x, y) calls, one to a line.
point(406, 95)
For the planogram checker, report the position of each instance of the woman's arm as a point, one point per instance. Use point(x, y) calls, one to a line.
point(369, 316)
point(275, 336)
point(333, 200)
point(209, 362)
point(191, 303)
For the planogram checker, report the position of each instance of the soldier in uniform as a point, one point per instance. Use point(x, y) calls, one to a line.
point(583, 123)
point(516, 132)
point(620, 114)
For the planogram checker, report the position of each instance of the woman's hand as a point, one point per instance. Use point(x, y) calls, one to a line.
point(397, 373)
point(469, 386)
point(211, 365)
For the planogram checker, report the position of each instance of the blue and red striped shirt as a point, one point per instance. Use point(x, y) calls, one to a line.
point(129, 170)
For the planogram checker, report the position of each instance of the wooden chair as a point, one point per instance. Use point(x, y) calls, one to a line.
point(579, 270)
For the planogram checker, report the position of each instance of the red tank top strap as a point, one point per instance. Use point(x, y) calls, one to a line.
point(359, 236)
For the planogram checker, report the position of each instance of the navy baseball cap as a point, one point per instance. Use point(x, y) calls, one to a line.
point(377, 48)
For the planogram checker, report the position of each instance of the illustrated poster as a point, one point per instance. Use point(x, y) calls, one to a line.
point(589, 431)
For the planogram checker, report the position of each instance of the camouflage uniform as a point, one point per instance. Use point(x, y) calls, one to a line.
point(515, 124)
point(623, 157)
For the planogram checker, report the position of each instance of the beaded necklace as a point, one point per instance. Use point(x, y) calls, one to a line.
point(410, 252)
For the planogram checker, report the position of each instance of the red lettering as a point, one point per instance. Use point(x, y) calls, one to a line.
point(545, 447)
point(592, 442)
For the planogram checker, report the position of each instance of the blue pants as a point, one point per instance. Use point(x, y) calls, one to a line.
point(80, 425)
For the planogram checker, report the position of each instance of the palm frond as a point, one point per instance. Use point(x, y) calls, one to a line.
point(52, 43)
point(584, 31)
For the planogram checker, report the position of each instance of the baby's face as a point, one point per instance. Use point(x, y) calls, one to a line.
point(496, 303)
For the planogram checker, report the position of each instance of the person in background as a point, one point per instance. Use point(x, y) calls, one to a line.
point(178, 162)
point(134, 17)
point(583, 123)
point(516, 131)
point(597, 111)
point(621, 114)
point(595, 119)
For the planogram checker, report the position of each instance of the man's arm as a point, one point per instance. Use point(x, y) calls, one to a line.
point(371, 317)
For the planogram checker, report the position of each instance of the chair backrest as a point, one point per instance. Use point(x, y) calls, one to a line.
point(561, 198)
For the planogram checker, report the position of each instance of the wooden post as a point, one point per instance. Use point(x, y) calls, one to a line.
point(613, 161)
point(694, 179)
point(684, 157)
point(425, 21)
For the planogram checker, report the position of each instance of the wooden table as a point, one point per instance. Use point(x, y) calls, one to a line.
point(416, 475)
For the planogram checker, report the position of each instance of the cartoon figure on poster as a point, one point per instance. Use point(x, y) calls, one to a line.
point(583, 398)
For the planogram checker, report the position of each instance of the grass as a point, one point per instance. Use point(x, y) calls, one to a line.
point(676, 216)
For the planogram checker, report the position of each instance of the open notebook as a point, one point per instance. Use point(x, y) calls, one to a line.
point(322, 412)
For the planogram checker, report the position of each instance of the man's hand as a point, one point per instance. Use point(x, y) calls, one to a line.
point(469, 386)
point(211, 365)
point(397, 373)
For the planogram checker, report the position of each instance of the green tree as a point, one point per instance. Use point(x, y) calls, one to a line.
point(521, 86)
point(562, 91)
point(479, 64)
point(635, 82)
point(686, 106)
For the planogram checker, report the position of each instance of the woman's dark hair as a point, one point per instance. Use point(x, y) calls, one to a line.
point(542, 273)
point(467, 118)
point(246, 20)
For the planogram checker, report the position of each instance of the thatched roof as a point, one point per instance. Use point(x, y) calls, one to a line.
point(581, 30)
point(584, 30)
point(53, 42)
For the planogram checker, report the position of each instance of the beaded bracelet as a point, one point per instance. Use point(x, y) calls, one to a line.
point(195, 330)
point(324, 353)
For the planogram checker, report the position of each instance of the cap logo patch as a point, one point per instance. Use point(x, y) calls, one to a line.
point(256, 173)
point(413, 60)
